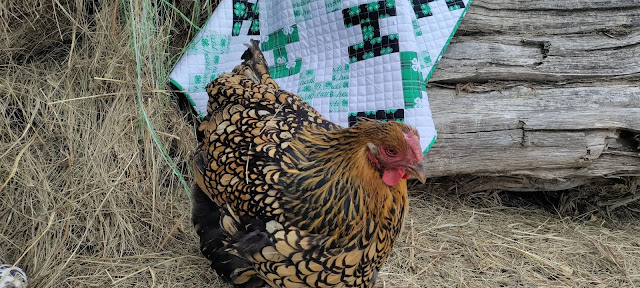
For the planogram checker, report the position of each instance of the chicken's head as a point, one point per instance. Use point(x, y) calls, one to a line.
point(394, 149)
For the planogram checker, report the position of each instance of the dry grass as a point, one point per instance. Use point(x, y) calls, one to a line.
point(87, 198)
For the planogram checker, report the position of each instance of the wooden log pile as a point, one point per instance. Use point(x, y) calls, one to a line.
point(539, 95)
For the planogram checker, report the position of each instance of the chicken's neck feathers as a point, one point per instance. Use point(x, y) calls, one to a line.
point(335, 176)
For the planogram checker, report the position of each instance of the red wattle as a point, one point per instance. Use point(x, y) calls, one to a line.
point(393, 177)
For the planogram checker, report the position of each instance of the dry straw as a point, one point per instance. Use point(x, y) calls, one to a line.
point(93, 146)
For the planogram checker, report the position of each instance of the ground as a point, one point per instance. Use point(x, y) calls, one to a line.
point(89, 199)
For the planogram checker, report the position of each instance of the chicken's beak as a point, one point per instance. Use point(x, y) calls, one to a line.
point(418, 171)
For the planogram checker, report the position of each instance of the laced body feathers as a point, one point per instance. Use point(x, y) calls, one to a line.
point(285, 197)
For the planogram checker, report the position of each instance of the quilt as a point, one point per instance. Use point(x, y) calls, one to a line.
point(347, 58)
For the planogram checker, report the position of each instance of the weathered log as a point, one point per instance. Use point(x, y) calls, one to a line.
point(539, 95)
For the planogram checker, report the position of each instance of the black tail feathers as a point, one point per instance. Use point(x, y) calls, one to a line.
point(216, 245)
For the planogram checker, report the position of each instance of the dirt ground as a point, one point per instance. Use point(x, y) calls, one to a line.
point(88, 197)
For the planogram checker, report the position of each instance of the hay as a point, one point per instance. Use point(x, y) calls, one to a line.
point(89, 199)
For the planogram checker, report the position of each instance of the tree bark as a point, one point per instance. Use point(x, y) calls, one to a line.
point(539, 95)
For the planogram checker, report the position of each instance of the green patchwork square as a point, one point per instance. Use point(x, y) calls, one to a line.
point(301, 10)
point(280, 55)
point(416, 27)
point(284, 70)
point(424, 59)
point(332, 5)
point(426, 9)
point(305, 86)
point(277, 42)
point(211, 44)
point(412, 81)
point(281, 38)
point(337, 89)
point(339, 102)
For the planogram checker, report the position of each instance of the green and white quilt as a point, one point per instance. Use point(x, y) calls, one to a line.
point(347, 58)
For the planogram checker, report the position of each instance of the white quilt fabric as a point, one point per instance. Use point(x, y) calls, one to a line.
point(347, 58)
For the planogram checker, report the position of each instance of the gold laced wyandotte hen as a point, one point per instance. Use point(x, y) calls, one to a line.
point(285, 198)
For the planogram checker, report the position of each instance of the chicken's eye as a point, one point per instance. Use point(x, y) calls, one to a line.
point(392, 152)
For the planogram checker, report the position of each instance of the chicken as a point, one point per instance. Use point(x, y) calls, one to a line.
point(286, 198)
point(12, 277)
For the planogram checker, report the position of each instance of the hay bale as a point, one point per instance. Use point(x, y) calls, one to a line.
point(87, 198)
